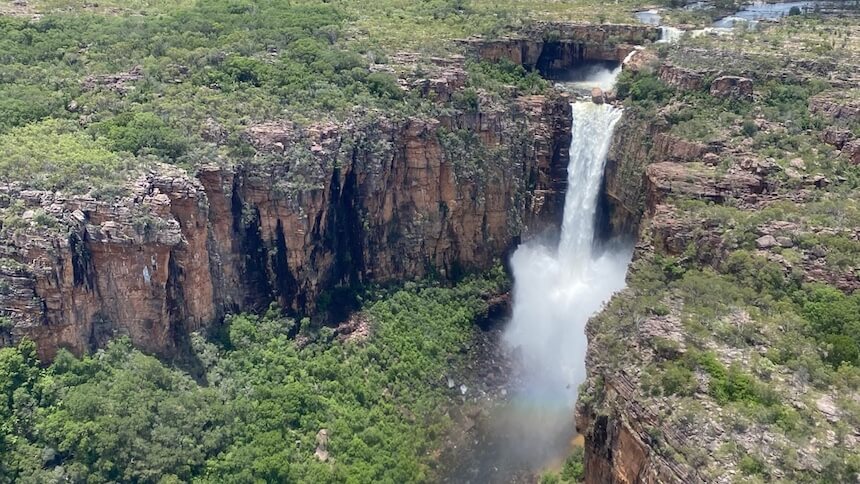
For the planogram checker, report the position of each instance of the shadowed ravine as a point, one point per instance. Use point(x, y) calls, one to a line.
point(556, 290)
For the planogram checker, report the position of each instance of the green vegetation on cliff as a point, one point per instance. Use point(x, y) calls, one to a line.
point(179, 82)
point(736, 343)
point(120, 415)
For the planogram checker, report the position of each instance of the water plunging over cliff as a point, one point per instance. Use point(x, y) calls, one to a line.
point(557, 289)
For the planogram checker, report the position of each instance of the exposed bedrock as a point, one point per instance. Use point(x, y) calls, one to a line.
point(552, 47)
point(316, 212)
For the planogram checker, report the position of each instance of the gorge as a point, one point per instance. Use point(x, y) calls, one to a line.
point(357, 242)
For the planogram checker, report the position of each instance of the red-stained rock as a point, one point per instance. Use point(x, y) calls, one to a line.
point(681, 78)
point(732, 87)
point(368, 200)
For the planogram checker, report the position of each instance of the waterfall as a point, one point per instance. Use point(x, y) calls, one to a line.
point(557, 289)
point(593, 125)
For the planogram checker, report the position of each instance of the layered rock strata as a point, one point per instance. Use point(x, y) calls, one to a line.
point(313, 214)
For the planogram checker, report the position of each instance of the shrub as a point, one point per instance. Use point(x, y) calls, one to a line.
point(732, 384)
point(574, 466)
point(749, 128)
point(751, 465)
point(21, 104)
point(494, 76)
point(643, 88)
point(677, 379)
point(54, 155)
point(141, 133)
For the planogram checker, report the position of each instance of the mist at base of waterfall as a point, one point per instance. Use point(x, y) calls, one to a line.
point(589, 74)
point(553, 302)
point(557, 288)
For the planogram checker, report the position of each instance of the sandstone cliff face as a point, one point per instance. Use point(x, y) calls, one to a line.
point(317, 210)
point(551, 47)
point(698, 204)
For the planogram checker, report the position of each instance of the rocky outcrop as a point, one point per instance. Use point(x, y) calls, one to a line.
point(623, 445)
point(697, 182)
point(852, 151)
point(623, 181)
point(732, 87)
point(120, 82)
point(317, 212)
point(837, 107)
point(552, 47)
point(673, 148)
point(681, 78)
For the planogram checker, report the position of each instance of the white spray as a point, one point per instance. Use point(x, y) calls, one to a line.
point(556, 290)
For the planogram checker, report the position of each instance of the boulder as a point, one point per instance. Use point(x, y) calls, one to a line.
point(321, 452)
point(766, 242)
point(836, 137)
point(597, 96)
point(851, 149)
point(785, 242)
point(732, 87)
point(681, 78)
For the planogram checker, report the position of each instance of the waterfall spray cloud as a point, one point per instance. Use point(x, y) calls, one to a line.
point(557, 289)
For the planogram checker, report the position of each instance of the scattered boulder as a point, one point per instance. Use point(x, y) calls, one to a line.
point(119, 82)
point(785, 242)
point(732, 87)
point(711, 159)
point(681, 78)
point(759, 167)
point(321, 452)
point(213, 132)
point(820, 181)
point(832, 106)
point(664, 334)
point(836, 137)
point(852, 151)
point(766, 242)
point(828, 407)
point(597, 96)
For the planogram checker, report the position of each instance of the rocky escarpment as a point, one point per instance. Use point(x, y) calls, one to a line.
point(710, 210)
point(553, 47)
point(314, 213)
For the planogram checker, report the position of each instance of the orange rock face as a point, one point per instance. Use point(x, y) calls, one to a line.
point(318, 209)
point(556, 46)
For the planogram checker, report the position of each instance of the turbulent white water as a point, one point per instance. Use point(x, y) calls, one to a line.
point(602, 75)
point(557, 289)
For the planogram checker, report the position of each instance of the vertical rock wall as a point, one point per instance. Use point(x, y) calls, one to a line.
point(317, 212)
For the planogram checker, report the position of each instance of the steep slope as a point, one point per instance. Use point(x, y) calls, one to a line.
point(732, 356)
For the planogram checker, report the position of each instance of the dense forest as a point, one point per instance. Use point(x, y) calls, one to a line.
point(256, 411)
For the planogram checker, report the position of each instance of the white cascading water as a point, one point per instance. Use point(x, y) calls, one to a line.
point(596, 75)
point(556, 290)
